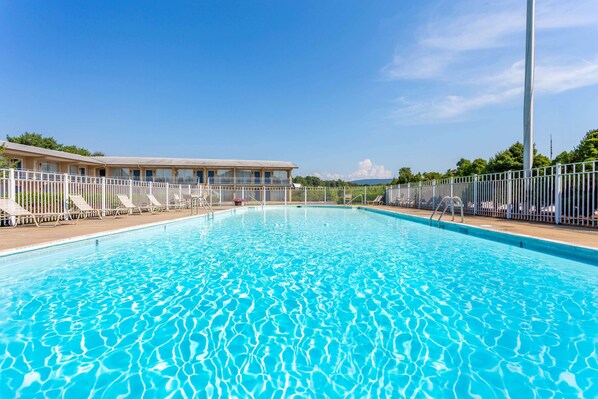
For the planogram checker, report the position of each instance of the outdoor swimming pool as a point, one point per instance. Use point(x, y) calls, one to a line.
point(309, 302)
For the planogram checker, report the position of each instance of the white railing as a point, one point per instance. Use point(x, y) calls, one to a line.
point(561, 194)
point(42, 192)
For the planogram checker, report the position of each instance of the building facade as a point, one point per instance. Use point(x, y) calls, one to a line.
point(170, 170)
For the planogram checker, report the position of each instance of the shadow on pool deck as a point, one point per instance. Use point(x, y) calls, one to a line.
point(28, 235)
point(585, 236)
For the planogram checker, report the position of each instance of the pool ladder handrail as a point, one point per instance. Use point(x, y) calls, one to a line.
point(353, 199)
point(253, 198)
point(199, 201)
point(449, 201)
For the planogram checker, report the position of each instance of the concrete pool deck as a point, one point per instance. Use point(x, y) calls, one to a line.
point(30, 235)
point(580, 236)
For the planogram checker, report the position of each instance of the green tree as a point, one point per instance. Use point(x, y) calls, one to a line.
point(478, 166)
point(587, 150)
point(512, 159)
point(3, 161)
point(432, 176)
point(405, 175)
point(37, 140)
point(463, 167)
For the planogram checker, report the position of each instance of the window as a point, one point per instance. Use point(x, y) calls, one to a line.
point(279, 176)
point(164, 175)
point(121, 173)
point(224, 176)
point(184, 176)
point(73, 169)
point(102, 172)
point(136, 174)
point(243, 176)
point(149, 175)
point(48, 167)
point(82, 171)
point(200, 177)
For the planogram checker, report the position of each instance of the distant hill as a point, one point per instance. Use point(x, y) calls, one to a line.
point(371, 182)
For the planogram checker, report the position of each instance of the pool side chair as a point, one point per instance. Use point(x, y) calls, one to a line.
point(83, 209)
point(376, 201)
point(155, 205)
point(178, 202)
point(12, 209)
point(128, 204)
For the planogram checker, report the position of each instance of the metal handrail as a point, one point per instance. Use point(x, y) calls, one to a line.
point(253, 198)
point(353, 199)
point(448, 200)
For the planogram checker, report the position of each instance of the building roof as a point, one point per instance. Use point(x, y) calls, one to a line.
point(44, 152)
point(146, 161)
point(193, 162)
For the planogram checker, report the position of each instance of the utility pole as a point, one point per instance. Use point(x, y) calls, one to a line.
point(528, 99)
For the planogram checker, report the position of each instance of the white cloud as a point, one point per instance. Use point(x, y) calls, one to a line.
point(366, 169)
point(474, 54)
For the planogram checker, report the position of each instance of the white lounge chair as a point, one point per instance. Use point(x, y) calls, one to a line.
point(155, 205)
point(128, 204)
point(178, 202)
point(84, 209)
point(376, 201)
point(12, 209)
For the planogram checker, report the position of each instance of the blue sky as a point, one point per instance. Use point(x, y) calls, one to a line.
point(347, 89)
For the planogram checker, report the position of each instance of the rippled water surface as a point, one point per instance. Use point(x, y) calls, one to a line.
point(297, 302)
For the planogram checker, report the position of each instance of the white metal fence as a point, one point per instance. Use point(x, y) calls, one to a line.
point(562, 194)
point(41, 192)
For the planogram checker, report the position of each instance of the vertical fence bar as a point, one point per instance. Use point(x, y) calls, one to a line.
point(325, 200)
point(103, 183)
point(558, 194)
point(509, 194)
point(65, 193)
point(475, 194)
point(168, 196)
point(12, 192)
point(305, 195)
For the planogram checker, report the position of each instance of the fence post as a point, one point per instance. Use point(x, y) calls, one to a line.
point(558, 194)
point(167, 196)
point(181, 196)
point(452, 181)
point(263, 195)
point(12, 192)
point(304, 195)
point(285, 195)
point(131, 190)
point(220, 196)
point(408, 194)
point(433, 194)
point(151, 188)
point(243, 192)
point(419, 195)
point(65, 182)
point(344, 196)
point(325, 195)
point(475, 194)
point(509, 193)
point(103, 181)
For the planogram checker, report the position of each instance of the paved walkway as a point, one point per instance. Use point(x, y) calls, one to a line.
point(585, 236)
point(28, 235)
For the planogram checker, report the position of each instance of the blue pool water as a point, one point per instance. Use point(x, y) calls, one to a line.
point(297, 302)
